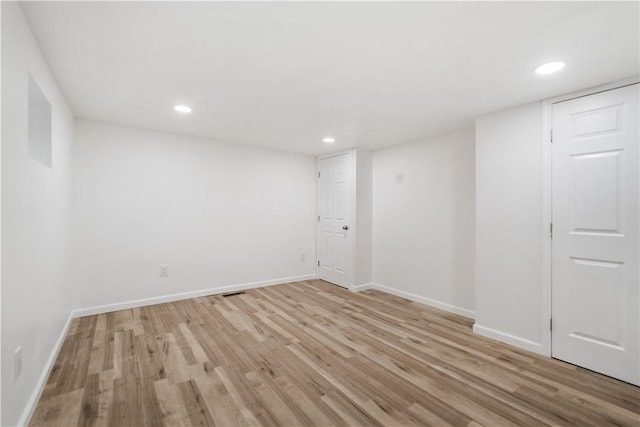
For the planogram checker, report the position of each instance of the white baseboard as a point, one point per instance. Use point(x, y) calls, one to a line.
point(363, 287)
point(100, 309)
point(426, 301)
point(504, 337)
point(37, 391)
point(478, 329)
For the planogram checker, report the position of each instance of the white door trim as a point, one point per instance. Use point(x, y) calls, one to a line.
point(547, 182)
point(353, 229)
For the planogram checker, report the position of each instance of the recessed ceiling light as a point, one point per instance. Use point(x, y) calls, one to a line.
point(550, 67)
point(182, 108)
point(329, 140)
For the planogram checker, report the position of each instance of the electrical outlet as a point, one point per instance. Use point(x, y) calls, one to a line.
point(303, 257)
point(164, 271)
point(17, 363)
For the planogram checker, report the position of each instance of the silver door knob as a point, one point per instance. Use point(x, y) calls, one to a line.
point(345, 227)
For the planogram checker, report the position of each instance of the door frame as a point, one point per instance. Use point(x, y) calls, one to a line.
point(352, 226)
point(547, 193)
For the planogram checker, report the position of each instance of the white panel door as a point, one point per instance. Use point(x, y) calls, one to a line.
point(595, 277)
point(334, 255)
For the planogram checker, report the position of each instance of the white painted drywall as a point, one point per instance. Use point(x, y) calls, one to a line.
point(36, 213)
point(364, 216)
point(509, 224)
point(218, 214)
point(423, 228)
point(0, 218)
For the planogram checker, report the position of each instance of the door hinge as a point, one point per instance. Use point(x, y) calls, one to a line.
point(318, 263)
point(551, 229)
point(551, 136)
point(318, 174)
point(551, 324)
point(318, 218)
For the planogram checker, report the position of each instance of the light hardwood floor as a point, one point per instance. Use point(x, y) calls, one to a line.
point(311, 353)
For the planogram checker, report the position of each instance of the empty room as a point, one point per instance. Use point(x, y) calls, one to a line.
point(320, 213)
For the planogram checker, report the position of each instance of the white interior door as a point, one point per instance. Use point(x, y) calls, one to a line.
point(334, 229)
point(595, 277)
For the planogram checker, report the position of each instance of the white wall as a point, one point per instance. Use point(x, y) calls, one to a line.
point(0, 218)
point(509, 226)
point(36, 212)
point(423, 229)
point(364, 216)
point(217, 214)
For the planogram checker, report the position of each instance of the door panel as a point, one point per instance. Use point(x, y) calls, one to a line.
point(598, 122)
point(597, 191)
point(335, 214)
point(595, 272)
point(326, 253)
point(598, 301)
point(341, 201)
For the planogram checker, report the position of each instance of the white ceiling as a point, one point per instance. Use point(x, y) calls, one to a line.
point(285, 74)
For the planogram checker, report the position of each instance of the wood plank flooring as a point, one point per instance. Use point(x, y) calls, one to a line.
point(312, 354)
